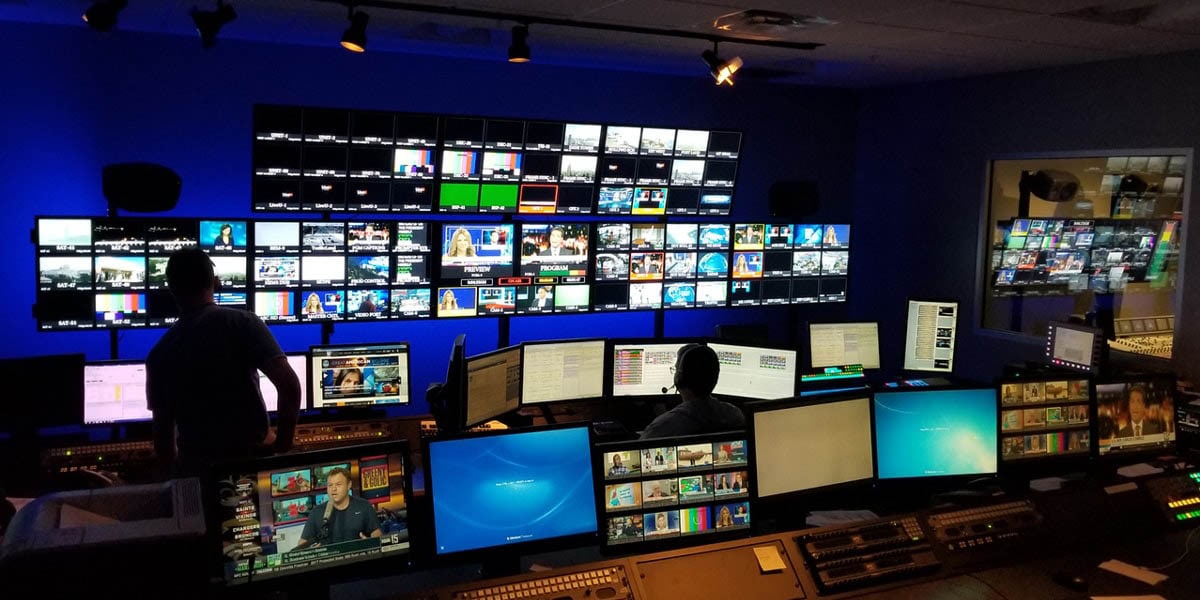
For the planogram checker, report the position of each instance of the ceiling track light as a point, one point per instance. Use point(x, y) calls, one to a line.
point(722, 70)
point(354, 38)
point(518, 52)
point(209, 22)
point(102, 16)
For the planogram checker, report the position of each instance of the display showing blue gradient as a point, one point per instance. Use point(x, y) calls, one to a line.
point(932, 433)
point(511, 488)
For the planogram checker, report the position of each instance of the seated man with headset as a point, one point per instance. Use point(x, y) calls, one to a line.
point(696, 371)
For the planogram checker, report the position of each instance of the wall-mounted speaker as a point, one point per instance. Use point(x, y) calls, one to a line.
point(793, 199)
point(141, 187)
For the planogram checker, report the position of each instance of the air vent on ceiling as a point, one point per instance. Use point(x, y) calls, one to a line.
point(767, 21)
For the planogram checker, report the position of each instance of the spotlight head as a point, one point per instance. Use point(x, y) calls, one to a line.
point(721, 70)
point(354, 38)
point(209, 22)
point(102, 16)
point(518, 52)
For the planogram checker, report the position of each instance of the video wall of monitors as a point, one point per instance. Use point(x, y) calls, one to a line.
point(111, 273)
point(318, 159)
point(1045, 419)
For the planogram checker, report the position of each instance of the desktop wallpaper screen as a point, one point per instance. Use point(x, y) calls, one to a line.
point(936, 432)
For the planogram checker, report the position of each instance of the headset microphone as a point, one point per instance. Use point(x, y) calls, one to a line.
point(667, 389)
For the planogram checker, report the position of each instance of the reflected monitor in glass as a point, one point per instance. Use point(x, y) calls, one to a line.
point(493, 385)
point(835, 344)
point(833, 436)
point(935, 432)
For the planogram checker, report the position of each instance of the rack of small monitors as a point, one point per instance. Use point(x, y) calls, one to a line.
point(322, 159)
point(1045, 418)
point(111, 272)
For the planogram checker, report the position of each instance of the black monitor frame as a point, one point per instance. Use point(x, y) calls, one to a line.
point(24, 418)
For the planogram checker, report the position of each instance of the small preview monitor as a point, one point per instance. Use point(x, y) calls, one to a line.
point(834, 344)
point(930, 335)
point(114, 392)
point(755, 371)
point(644, 369)
point(1044, 420)
point(270, 395)
point(935, 432)
point(562, 371)
point(833, 436)
point(477, 250)
point(358, 375)
point(510, 488)
point(493, 385)
point(1072, 346)
point(1135, 414)
point(308, 517)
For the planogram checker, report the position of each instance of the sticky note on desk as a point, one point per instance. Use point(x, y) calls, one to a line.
point(769, 560)
point(1123, 568)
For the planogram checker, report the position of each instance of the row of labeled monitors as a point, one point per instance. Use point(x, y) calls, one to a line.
point(112, 272)
point(518, 490)
point(323, 159)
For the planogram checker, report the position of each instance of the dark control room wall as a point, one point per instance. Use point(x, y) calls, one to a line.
point(73, 101)
point(919, 184)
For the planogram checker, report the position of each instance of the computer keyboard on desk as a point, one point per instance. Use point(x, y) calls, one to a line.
point(604, 583)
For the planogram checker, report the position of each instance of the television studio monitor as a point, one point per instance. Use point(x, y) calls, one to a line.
point(755, 371)
point(835, 344)
point(560, 371)
point(930, 336)
point(1074, 347)
point(493, 385)
point(935, 432)
point(534, 486)
point(358, 375)
point(1135, 415)
point(272, 519)
point(833, 436)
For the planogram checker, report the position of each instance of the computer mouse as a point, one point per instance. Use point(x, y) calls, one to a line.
point(1071, 580)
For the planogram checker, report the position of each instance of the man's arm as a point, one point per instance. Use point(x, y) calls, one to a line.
point(159, 403)
point(288, 386)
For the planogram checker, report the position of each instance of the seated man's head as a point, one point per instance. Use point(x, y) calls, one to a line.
point(696, 369)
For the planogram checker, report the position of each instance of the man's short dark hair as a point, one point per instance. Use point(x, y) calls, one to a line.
point(697, 368)
point(343, 471)
point(189, 272)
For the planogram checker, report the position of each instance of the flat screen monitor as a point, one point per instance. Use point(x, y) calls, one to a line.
point(59, 399)
point(270, 396)
point(1072, 346)
point(562, 371)
point(277, 512)
point(512, 487)
point(834, 437)
point(358, 375)
point(644, 369)
point(834, 344)
point(1045, 419)
point(672, 490)
point(755, 372)
point(930, 336)
point(935, 432)
point(115, 392)
point(1135, 414)
point(493, 385)
point(475, 250)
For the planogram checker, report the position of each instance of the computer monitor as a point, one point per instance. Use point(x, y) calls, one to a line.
point(114, 392)
point(59, 399)
point(670, 491)
point(493, 385)
point(561, 371)
point(644, 368)
point(755, 371)
point(270, 396)
point(511, 488)
point(833, 436)
point(1135, 414)
point(358, 375)
point(1073, 346)
point(1044, 420)
point(930, 335)
point(835, 344)
point(935, 432)
point(276, 512)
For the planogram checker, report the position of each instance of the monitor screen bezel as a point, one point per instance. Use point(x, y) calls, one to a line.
point(603, 370)
point(1098, 339)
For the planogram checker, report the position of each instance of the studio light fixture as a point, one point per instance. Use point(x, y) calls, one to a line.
point(102, 16)
point(518, 52)
point(209, 22)
point(354, 38)
point(722, 70)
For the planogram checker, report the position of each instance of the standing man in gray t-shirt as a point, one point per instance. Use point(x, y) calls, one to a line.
point(202, 377)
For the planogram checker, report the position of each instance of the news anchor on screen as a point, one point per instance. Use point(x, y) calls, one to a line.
point(556, 247)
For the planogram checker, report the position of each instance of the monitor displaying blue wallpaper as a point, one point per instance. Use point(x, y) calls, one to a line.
point(513, 488)
point(936, 432)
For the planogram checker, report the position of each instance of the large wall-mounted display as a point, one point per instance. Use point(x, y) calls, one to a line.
point(323, 160)
point(111, 272)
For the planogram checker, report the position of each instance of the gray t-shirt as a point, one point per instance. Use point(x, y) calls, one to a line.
point(696, 416)
point(344, 525)
point(206, 367)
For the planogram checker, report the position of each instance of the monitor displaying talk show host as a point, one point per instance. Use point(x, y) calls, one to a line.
point(834, 344)
point(757, 372)
point(1135, 414)
point(644, 369)
point(358, 375)
point(272, 511)
point(834, 437)
point(495, 490)
point(935, 432)
point(493, 385)
point(930, 335)
point(561, 371)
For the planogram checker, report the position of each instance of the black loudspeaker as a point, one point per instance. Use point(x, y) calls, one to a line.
point(141, 187)
point(793, 199)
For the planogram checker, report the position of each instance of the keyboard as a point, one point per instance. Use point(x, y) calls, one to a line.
point(1157, 345)
point(604, 583)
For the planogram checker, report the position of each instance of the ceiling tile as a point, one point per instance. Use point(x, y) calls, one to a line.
point(947, 17)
